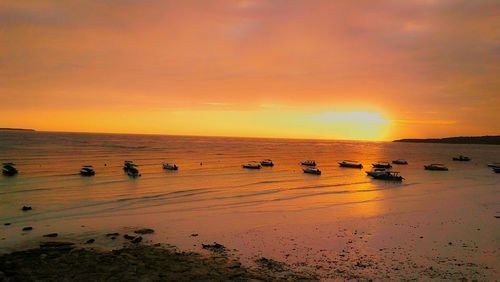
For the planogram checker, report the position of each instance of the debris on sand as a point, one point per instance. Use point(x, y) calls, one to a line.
point(144, 231)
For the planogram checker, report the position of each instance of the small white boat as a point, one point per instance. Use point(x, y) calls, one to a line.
point(308, 163)
point(267, 163)
point(311, 170)
point(252, 165)
point(440, 167)
point(127, 165)
point(9, 169)
point(461, 158)
point(87, 170)
point(400, 162)
point(389, 175)
point(376, 171)
point(133, 172)
point(351, 164)
point(169, 166)
point(382, 165)
point(493, 165)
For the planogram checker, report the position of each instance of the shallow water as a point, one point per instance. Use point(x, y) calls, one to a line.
point(212, 195)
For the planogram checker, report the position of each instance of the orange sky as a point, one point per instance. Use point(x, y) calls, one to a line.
point(373, 70)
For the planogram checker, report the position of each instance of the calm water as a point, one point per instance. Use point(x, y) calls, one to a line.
point(219, 199)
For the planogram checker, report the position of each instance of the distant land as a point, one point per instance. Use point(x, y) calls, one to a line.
point(16, 129)
point(486, 140)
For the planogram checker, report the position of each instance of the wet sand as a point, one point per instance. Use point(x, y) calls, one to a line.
point(134, 255)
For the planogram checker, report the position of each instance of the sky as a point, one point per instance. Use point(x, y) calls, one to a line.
point(358, 70)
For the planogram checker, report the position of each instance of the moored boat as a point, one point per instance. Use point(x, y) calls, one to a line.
point(169, 166)
point(252, 165)
point(87, 170)
point(493, 165)
point(311, 170)
point(496, 169)
point(127, 165)
point(375, 171)
point(389, 175)
point(400, 162)
point(351, 164)
point(267, 163)
point(133, 172)
point(441, 167)
point(382, 165)
point(308, 163)
point(461, 158)
point(9, 169)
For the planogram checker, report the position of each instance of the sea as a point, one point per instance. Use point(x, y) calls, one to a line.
point(212, 198)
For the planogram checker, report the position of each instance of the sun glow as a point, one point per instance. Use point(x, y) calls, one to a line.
point(252, 123)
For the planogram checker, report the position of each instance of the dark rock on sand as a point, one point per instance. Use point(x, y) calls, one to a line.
point(144, 231)
point(7, 223)
point(63, 245)
point(270, 264)
point(27, 228)
point(51, 235)
point(194, 235)
point(26, 208)
point(137, 240)
point(215, 247)
point(90, 241)
point(128, 237)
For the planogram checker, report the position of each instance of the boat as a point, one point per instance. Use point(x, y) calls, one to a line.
point(493, 165)
point(87, 170)
point(311, 170)
point(400, 162)
point(267, 163)
point(382, 165)
point(133, 172)
point(308, 163)
point(9, 169)
point(351, 164)
point(389, 175)
point(169, 166)
point(436, 167)
point(461, 158)
point(127, 165)
point(252, 165)
point(496, 169)
point(375, 171)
